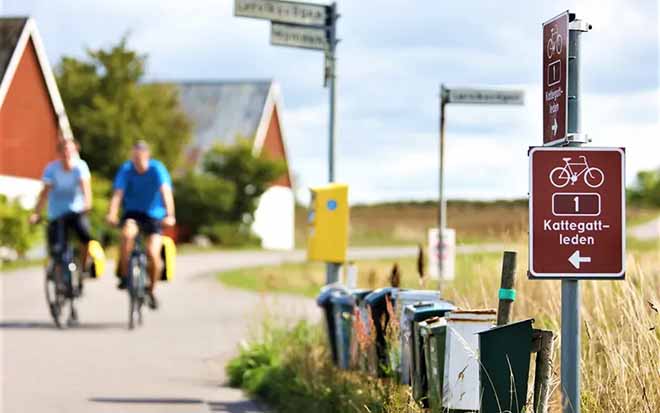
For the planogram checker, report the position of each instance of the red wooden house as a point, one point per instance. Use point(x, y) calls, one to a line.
point(32, 115)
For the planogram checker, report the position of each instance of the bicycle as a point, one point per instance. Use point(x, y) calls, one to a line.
point(136, 283)
point(64, 280)
point(555, 42)
point(563, 175)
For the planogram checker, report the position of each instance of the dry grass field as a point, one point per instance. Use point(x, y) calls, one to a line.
point(406, 223)
point(620, 356)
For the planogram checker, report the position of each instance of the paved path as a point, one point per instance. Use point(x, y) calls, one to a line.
point(647, 231)
point(173, 364)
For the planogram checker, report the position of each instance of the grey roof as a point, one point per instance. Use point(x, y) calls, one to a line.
point(222, 111)
point(10, 31)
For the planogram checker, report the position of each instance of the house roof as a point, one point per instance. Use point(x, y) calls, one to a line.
point(223, 111)
point(15, 33)
point(10, 32)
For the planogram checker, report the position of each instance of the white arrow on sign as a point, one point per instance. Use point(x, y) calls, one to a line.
point(554, 126)
point(576, 260)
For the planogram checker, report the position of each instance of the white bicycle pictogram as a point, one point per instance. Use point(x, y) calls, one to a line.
point(563, 175)
point(554, 43)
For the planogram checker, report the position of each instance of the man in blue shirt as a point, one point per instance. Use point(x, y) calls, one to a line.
point(67, 188)
point(143, 188)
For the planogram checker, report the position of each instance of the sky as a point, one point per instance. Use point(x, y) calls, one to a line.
point(392, 58)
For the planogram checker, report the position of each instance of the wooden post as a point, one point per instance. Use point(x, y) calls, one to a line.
point(507, 293)
point(543, 342)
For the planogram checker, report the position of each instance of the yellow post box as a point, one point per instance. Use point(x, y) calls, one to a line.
point(327, 222)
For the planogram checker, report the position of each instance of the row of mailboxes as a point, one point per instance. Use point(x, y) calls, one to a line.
point(327, 223)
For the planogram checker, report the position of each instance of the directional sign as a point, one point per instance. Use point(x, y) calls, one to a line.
point(283, 11)
point(577, 213)
point(298, 36)
point(486, 96)
point(555, 79)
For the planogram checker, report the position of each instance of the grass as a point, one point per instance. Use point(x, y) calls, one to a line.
point(620, 357)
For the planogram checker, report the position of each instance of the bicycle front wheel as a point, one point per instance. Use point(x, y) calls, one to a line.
point(594, 177)
point(135, 294)
point(55, 297)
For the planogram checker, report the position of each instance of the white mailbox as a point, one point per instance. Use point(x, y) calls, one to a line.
point(461, 378)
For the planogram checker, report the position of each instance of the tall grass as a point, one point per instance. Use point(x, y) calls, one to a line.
point(620, 355)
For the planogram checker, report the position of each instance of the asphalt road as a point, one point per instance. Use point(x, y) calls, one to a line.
point(173, 364)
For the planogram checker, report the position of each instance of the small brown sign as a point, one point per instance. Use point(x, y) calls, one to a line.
point(555, 79)
point(577, 213)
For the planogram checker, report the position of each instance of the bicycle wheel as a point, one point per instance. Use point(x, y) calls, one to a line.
point(560, 177)
point(55, 296)
point(594, 177)
point(135, 293)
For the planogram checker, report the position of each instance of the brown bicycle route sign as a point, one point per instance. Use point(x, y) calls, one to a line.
point(577, 213)
point(555, 79)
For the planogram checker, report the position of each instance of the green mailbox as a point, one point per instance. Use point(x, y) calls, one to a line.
point(504, 356)
point(433, 332)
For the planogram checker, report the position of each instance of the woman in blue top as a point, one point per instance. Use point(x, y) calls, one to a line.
point(68, 190)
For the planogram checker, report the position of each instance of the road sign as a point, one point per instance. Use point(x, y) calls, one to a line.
point(283, 11)
point(485, 96)
point(555, 79)
point(577, 213)
point(446, 254)
point(298, 36)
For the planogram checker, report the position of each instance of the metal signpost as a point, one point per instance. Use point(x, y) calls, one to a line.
point(577, 203)
point(464, 95)
point(308, 26)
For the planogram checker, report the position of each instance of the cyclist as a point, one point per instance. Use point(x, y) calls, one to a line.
point(143, 188)
point(68, 190)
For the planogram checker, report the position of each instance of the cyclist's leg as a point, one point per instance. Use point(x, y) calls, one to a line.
point(81, 226)
point(153, 246)
point(129, 231)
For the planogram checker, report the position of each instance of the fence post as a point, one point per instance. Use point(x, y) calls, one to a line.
point(507, 294)
point(543, 345)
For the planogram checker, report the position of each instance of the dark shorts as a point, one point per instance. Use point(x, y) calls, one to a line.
point(59, 229)
point(147, 224)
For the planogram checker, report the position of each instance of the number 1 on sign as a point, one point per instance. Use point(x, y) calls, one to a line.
point(577, 203)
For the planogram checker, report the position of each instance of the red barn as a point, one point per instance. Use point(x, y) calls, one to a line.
point(32, 115)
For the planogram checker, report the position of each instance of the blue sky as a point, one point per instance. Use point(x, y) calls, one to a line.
point(391, 60)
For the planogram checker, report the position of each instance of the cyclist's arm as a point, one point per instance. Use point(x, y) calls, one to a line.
point(41, 201)
point(115, 202)
point(86, 186)
point(168, 199)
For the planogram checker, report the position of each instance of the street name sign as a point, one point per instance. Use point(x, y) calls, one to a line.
point(298, 36)
point(577, 213)
point(555, 79)
point(283, 11)
point(485, 96)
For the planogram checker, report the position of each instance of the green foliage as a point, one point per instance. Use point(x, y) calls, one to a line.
point(249, 176)
point(229, 234)
point(202, 199)
point(291, 370)
point(16, 232)
point(646, 190)
point(109, 108)
point(101, 192)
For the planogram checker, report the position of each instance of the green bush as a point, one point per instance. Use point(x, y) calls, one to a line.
point(292, 371)
point(16, 232)
point(646, 190)
point(202, 199)
point(229, 234)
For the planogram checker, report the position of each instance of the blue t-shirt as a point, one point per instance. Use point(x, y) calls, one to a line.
point(142, 191)
point(65, 194)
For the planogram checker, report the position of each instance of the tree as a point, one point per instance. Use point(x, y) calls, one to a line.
point(646, 191)
point(109, 108)
point(249, 175)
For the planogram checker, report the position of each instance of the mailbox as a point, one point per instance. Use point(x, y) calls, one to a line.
point(327, 222)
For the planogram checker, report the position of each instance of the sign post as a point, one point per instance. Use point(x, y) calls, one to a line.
point(463, 95)
point(308, 26)
point(571, 205)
